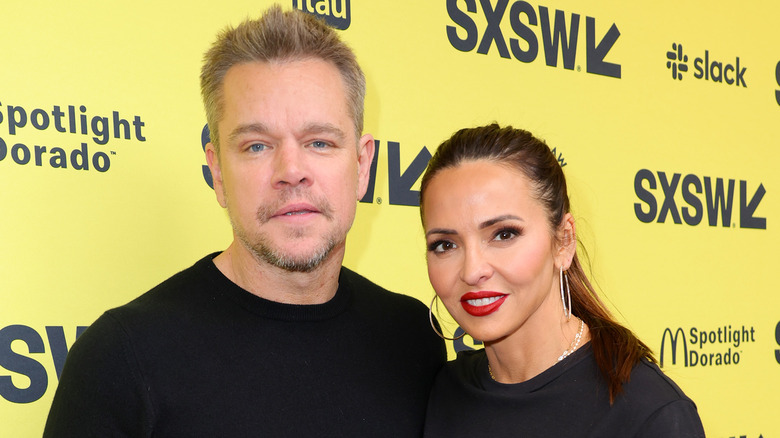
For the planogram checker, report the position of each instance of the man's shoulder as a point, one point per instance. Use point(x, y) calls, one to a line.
point(161, 308)
point(184, 290)
point(179, 286)
point(366, 290)
point(396, 317)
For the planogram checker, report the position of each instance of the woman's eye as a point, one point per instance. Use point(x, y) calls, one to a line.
point(506, 234)
point(441, 246)
point(257, 147)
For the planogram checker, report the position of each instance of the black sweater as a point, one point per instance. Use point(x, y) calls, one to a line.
point(569, 399)
point(199, 356)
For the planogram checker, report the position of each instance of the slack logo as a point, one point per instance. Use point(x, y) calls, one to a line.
point(706, 67)
point(677, 61)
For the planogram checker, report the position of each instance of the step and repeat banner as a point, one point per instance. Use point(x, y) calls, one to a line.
point(665, 116)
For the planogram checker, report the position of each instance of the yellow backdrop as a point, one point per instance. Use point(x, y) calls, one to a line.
point(666, 115)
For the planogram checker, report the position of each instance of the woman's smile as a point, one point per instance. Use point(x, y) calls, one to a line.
point(482, 303)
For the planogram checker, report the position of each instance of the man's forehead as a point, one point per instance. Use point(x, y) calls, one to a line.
point(305, 80)
point(292, 97)
point(302, 66)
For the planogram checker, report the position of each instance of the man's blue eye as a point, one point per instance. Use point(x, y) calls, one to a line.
point(319, 144)
point(257, 147)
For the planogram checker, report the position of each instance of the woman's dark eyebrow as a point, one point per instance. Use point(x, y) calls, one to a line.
point(497, 219)
point(440, 231)
point(483, 225)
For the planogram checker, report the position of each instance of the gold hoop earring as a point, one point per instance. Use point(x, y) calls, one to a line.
point(433, 324)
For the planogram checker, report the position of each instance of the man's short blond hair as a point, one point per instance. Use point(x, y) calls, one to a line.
point(278, 36)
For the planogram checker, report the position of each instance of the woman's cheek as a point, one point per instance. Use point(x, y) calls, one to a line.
point(442, 277)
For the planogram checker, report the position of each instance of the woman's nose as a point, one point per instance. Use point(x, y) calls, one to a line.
point(476, 267)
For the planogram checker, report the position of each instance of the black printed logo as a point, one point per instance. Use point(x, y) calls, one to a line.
point(677, 61)
point(708, 67)
point(335, 12)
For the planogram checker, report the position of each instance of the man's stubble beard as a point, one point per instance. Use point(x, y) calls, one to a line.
point(263, 251)
point(261, 247)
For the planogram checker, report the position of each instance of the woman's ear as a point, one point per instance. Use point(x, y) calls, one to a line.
point(567, 241)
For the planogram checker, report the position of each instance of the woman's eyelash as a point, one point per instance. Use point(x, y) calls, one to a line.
point(433, 246)
point(511, 231)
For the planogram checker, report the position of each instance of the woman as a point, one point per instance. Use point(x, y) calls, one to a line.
point(502, 259)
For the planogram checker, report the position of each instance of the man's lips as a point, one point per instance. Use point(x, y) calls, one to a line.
point(295, 210)
point(482, 303)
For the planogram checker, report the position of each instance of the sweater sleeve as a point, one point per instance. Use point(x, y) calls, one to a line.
point(678, 419)
point(101, 390)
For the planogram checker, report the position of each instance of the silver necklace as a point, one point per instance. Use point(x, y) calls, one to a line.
point(574, 343)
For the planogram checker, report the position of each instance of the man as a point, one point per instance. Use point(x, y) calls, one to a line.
point(271, 337)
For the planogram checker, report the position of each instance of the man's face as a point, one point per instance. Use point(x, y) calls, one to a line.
point(290, 168)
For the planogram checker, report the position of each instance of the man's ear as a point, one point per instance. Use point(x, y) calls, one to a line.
point(365, 155)
point(212, 158)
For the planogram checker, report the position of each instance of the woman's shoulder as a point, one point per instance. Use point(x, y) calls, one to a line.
point(648, 382)
point(651, 394)
point(658, 404)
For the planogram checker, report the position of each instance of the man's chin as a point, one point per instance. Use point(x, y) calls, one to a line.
point(298, 260)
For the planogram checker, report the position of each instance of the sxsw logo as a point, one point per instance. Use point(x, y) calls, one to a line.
point(335, 12)
point(399, 181)
point(15, 361)
point(709, 69)
point(559, 34)
point(777, 79)
point(777, 340)
point(718, 201)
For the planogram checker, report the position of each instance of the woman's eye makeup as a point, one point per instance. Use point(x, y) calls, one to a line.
point(507, 233)
point(440, 246)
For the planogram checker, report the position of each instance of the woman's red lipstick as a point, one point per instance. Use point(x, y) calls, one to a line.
point(482, 303)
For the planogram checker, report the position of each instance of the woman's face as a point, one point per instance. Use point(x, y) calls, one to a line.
point(491, 254)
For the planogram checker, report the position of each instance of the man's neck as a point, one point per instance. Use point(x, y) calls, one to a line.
point(276, 284)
